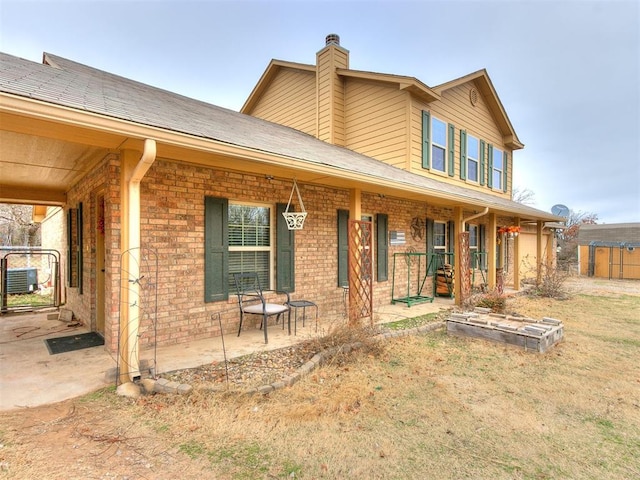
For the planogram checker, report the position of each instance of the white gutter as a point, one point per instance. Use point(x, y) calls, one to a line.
point(473, 217)
point(133, 185)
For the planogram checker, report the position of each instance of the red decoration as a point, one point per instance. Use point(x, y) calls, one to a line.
point(511, 230)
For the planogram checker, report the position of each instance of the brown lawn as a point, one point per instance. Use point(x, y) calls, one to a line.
point(428, 406)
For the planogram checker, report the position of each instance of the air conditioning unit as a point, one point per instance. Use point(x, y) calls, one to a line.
point(22, 280)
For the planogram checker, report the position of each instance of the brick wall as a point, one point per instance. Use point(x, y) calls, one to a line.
point(172, 227)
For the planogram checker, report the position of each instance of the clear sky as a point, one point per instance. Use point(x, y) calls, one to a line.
point(567, 72)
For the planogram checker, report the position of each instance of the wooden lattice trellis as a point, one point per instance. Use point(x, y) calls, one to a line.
point(465, 271)
point(360, 271)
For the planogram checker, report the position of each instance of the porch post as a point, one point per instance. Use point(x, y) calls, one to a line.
point(128, 161)
point(457, 264)
point(355, 204)
point(516, 257)
point(133, 169)
point(492, 231)
point(551, 247)
point(355, 214)
point(539, 261)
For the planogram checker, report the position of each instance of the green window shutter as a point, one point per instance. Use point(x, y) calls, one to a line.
point(505, 161)
point(483, 173)
point(452, 144)
point(343, 247)
point(216, 253)
point(285, 252)
point(382, 245)
point(430, 233)
point(463, 154)
point(426, 140)
point(451, 227)
point(490, 168)
point(482, 246)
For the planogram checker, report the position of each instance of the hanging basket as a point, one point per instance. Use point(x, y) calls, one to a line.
point(295, 220)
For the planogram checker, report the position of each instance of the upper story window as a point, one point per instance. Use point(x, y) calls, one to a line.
point(473, 158)
point(497, 170)
point(438, 139)
point(438, 144)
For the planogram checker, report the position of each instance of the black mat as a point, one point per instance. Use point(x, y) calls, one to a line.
point(73, 342)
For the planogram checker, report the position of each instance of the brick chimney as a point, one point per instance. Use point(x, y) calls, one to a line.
point(330, 91)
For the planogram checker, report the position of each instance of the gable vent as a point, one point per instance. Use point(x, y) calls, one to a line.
point(473, 96)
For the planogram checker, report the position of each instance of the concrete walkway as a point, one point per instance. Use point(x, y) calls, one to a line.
point(30, 376)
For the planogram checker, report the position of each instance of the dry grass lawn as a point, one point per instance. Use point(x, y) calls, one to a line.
point(428, 406)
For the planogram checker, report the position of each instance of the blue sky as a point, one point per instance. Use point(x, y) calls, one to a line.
point(567, 72)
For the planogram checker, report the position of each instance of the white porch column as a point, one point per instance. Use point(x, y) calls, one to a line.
point(133, 168)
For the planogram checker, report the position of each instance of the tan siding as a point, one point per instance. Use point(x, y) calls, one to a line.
point(454, 107)
point(324, 100)
point(376, 121)
point(290, 101)
point(341, 60)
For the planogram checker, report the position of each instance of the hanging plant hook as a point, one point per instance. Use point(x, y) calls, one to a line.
point(295, 220)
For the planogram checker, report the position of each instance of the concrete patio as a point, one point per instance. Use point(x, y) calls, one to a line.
point(30, 376)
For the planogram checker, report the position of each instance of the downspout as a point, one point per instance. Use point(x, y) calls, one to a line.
point(473, 217)
point(133, 186)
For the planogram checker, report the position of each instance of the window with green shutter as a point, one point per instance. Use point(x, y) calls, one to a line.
point(497, 168)
point(285, 252)
point(216, 253)
point(426, 140)
point(452, 143)
point(483, 172)
point(505, 175)
point(343, 247)
point(463, 154)
point(239, 239)
point(382, 247)
point(438, 142)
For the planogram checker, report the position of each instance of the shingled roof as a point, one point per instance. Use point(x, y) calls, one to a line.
point(72, 85)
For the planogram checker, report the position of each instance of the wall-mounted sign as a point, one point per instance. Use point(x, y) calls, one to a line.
point(396, 237)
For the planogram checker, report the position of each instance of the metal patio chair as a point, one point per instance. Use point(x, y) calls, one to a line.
point(252, 300)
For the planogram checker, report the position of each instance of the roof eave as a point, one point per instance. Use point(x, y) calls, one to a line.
point(410, 84)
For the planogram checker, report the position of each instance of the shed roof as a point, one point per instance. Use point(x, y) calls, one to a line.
point(614, 233)
point(71, 85)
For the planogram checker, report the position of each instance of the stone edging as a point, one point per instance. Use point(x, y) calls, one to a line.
point(320, 357)
point(165, 386)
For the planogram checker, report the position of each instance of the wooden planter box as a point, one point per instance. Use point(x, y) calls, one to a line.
point(531, 334)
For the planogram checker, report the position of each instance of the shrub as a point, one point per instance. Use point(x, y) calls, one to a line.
point(493, 299)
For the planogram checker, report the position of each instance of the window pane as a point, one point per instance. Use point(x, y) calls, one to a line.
point(438, 132)
point(437, 158)
point(439, 235)
point(249, 226)
point(473, 147)
point(497, 159)
point(472, 170)
point(241, 262)
point(473, 236)
point(497, 179)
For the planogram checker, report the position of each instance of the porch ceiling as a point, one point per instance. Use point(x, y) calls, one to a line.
point(40, 162)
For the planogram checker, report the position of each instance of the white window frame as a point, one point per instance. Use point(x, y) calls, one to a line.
point(434, 144)
point(499, 171)
point(440, 248)
point(473, 157)
point(270, 248)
